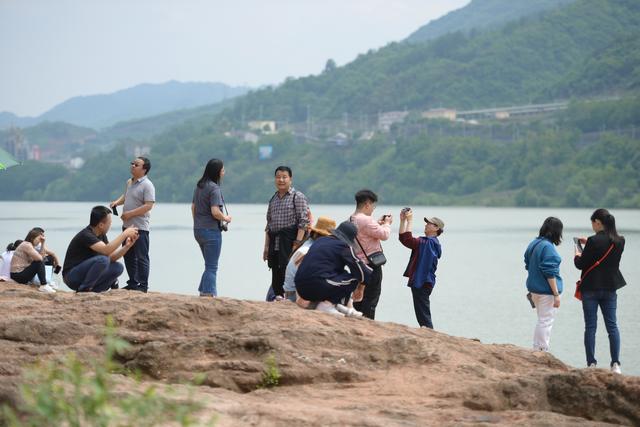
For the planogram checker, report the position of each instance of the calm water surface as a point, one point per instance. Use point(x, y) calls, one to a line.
point(480, 291)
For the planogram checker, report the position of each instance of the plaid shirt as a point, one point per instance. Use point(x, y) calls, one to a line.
point(284, 212)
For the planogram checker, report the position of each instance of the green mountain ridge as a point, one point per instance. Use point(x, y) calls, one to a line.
point(481, 15)
point(587, 156)
point(144, 100)
point(522, 62)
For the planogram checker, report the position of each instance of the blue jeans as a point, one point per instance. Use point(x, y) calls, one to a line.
point(95, 274)
point(210, 241)
point(136, 260)
point(607, 300)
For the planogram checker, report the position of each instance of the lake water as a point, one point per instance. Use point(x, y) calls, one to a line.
point(480, 291)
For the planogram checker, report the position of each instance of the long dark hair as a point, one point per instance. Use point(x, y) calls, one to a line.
point(608, 222)
point(552, 230)
point(32, 234)
point(211, 172)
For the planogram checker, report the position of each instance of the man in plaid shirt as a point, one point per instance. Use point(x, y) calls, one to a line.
point(287, 222)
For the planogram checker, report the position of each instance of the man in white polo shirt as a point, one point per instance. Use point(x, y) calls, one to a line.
point(138, 200)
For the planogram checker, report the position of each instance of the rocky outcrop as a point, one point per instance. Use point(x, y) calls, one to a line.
point(335, 371)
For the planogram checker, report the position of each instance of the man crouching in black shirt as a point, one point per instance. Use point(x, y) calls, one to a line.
point(90, 264)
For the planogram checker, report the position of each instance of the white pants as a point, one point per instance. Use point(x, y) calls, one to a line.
point(546, 314)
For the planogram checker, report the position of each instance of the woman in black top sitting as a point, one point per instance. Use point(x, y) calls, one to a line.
point(600, 284)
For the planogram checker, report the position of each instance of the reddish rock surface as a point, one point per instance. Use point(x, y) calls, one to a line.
point(335, 371)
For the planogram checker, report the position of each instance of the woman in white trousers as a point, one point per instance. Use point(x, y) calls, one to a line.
point(542, 261)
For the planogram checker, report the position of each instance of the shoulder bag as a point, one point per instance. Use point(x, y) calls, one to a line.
point(578, 292)
point(376, 259)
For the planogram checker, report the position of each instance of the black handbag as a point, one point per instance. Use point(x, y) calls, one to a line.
point(376, 259)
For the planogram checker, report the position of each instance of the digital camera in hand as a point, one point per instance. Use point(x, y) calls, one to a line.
point(224, 226)
point(405, 210)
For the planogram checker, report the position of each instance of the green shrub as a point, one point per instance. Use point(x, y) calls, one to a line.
point(271, 374)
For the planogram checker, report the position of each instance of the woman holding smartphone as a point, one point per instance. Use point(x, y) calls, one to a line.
point(600, 278)
point(208, 223)
point(542, 261)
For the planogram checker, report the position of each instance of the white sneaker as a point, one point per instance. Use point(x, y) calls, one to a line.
point(348, 311)
point(615, 368)
point(327, 307)
point(53, 285)
point(47, 289)
point(592, 366)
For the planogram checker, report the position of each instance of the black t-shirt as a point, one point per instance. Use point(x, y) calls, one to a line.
point(80, 248)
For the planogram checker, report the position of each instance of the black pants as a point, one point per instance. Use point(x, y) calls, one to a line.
point(136, 260)
point(277, 276)
point(24, 276)
point(422, 305)
point(371, 295)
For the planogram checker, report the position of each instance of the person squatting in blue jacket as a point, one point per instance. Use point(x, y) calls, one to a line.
point(322, 277)
point(422, 266)
point(542, 261)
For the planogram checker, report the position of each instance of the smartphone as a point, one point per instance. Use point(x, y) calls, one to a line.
point(578, 244)
point(530, 299)
point(57, 269)
point(115, 210)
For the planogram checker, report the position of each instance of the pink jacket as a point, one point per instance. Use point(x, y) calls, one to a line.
point(370, 233)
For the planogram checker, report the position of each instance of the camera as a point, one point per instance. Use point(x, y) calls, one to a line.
point(406, 209)
point(223, 226)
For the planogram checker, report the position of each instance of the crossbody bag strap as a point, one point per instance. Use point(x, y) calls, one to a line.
point(224, 205)
point(534, 248)
point(597, 263)
point(295, 209)
point(359, 244)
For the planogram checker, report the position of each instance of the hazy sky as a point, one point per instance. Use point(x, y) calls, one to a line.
point(52, 50)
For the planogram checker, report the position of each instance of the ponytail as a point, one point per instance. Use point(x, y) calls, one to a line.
point(608, 222)
point(13, 246)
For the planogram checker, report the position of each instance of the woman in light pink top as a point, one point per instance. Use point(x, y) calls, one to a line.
point(27, 262)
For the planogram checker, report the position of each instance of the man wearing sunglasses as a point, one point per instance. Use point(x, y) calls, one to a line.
point(138, 200)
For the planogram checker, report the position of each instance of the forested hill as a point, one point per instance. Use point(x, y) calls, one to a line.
point(588, 156)
point(482, 14)
point(531, 60)
point(144, 100)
